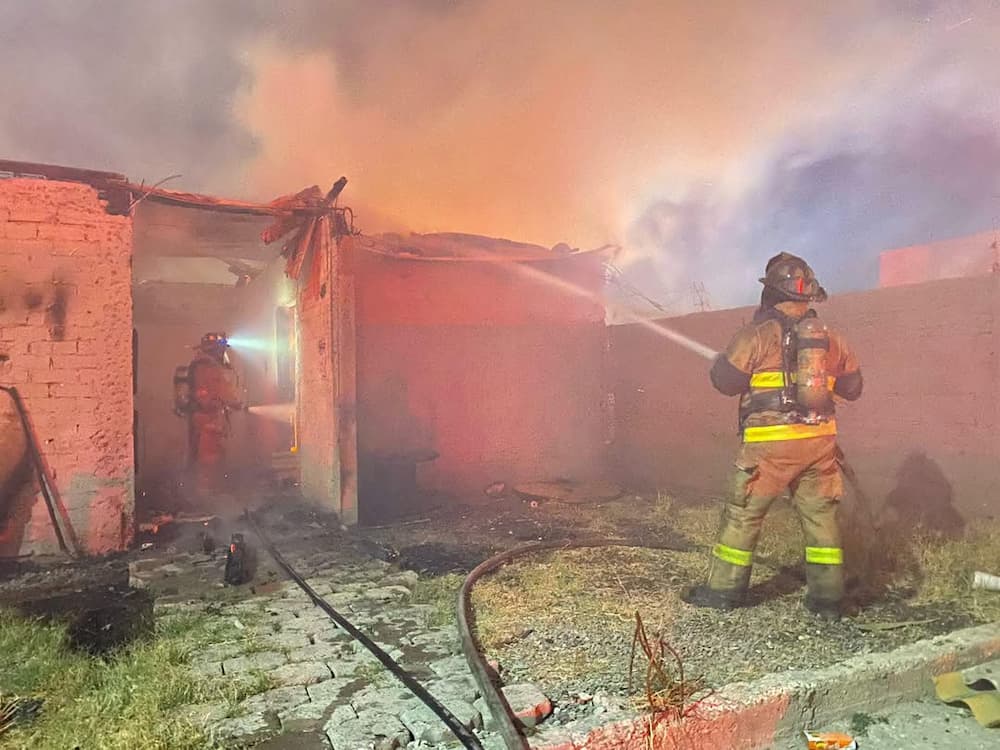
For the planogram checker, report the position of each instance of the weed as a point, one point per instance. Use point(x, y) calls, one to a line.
point(372, 673)
point(441, 592)
point(860, 722)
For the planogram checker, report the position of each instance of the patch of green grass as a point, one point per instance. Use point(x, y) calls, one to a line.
point(116, 704)
point(127, 701)
point(441, 592)
point(233, 692)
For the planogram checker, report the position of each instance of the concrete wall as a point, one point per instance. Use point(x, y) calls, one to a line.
point(500, 375)
point(317, 386)
point(66, 343)
point(924, 438)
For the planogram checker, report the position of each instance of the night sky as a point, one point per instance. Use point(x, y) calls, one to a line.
point(702, 136)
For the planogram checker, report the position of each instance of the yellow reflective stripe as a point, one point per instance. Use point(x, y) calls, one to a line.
point(732, 555)
point(767, 380)
point(797, 431)
point(777, 380)
point(825, 555)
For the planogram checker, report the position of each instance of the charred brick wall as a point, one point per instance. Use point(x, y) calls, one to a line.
point(66, 344)
point(924, 438)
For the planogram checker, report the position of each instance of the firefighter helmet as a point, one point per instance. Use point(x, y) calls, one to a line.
point(793, 279)
point(214, 341)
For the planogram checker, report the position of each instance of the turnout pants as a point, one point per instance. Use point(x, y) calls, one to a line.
point(808, 468)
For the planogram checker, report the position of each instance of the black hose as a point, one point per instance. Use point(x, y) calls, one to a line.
point(36, 460)
point(465, 736)
point(500, 709)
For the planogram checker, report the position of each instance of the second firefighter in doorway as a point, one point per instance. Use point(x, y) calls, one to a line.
point(211, 393)
point(785, 366)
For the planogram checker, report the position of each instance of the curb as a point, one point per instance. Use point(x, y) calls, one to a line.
point(752, 716)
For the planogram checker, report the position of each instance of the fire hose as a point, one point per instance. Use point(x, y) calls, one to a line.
point(503, 715)
point(499, 708)
point(464, 735)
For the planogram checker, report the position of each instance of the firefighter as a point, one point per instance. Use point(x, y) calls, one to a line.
point(786, 366)
point(213, 395)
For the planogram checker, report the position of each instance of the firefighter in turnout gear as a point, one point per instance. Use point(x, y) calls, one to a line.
point(212, 394)
point(786, 367)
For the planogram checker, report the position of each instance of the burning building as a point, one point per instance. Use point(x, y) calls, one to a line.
point(367, 361)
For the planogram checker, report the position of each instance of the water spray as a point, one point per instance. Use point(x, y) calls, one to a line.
point(659, 329)
point(278, 412)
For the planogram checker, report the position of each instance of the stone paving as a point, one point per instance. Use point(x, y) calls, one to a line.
point(321, 688)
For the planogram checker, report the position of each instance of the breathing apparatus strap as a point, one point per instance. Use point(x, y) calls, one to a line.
point(775, 390)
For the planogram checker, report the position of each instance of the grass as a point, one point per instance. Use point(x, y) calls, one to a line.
point(946, 567)
point(441, 593)
point(599, 590)
point(125, 702)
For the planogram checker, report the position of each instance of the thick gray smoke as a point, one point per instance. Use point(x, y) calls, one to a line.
point(703, 137)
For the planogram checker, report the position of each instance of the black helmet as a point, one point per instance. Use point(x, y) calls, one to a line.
point(214, 341)
point(793, 279)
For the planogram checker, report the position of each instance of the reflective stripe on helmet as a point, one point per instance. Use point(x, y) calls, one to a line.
point(733, 556)
point(825, 555)
point(797, 431)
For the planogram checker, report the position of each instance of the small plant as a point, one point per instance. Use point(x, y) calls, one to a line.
point(666, 690)
point(373, 673)
point(441, 592)
point(861, 721)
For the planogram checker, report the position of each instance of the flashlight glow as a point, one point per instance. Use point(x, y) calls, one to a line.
point(250, 343)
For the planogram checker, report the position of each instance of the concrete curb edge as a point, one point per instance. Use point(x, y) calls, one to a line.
point(781, 705)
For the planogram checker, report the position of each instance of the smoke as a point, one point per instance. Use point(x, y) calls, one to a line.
point(704, 137)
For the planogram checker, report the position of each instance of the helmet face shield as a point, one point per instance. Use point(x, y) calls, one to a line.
point(793, 279)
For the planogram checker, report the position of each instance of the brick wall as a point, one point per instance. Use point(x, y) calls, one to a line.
point(924, 438)
point(66, 341)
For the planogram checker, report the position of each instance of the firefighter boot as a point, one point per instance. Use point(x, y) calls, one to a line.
point(732, 556)
point(824, 556)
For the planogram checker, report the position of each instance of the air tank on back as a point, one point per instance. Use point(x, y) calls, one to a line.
point(812, 389)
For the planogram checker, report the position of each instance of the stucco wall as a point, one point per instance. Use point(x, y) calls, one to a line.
point(66, 341)
point(924, 438)
point(500, 375)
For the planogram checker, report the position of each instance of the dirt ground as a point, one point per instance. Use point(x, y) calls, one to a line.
point(566, 619)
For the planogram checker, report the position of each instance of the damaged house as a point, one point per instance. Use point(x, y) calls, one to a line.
point(377, 369)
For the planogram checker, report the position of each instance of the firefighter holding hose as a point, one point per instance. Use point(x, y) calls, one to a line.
point(785, 366)
point(209, 391)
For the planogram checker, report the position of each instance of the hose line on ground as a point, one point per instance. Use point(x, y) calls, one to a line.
point(465, 736)
point(500, 709)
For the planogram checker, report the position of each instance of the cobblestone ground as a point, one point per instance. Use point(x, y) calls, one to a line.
point(322, 689)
